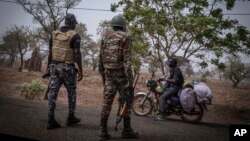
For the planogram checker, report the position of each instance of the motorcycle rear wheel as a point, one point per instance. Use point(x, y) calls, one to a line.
point(142, 109)
point(194, 115)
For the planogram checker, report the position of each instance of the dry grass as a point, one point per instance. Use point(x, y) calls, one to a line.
point(224, 94)
point(228, 103)
point(90, 89)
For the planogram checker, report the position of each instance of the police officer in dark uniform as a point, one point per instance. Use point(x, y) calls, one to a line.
point(64, 52)
point(174, 84)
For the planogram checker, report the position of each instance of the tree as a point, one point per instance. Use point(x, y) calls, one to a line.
point(171, 31)
point(89, 48)
point(2, 53)
point(49, 14)
point(104, 28)
point(16, 43)
point(21, 36)
point(189, 70)
point(8, 46)
point(153, 64)
point(236, 71)
point(219, 71)
point(204, 74)
point(93, 54)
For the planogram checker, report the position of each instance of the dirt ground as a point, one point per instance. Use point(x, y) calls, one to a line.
point(229, 106)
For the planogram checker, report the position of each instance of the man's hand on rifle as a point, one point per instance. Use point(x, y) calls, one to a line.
point(127, 96)
point(129, 85)
point(46, 74)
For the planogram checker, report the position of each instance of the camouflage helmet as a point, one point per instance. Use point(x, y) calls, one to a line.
point(70, 19)
point(119, 21)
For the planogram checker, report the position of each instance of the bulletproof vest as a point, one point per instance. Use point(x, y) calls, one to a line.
point(113, 50)
point(61, 50)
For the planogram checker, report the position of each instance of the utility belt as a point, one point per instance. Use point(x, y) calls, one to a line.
point(60, 68)
point(113, 65)
point(60, 62)
point(114, 72)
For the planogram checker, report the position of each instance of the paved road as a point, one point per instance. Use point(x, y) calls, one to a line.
point(24, 118)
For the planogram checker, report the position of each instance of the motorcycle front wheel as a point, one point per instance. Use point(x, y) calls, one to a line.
point(141, 108)
point(195, 115)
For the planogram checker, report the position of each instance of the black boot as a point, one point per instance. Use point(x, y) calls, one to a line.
point(128, 132)
point(52, 124)
point(104, 135)
point(72, 120)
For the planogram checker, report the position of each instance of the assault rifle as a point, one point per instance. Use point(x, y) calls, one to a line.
point(125, 99)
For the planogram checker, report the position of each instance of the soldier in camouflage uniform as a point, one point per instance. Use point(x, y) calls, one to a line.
point(116, 71)
point(64, 53)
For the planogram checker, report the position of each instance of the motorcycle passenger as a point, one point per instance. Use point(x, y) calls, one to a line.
point(174, 84)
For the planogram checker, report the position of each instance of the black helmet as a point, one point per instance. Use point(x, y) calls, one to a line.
point(118, 21)
point(172, 62)
point(70, 19)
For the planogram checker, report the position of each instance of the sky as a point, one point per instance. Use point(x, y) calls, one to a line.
point(11, 14)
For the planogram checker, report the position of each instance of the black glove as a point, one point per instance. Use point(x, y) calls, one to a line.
point(127, 96)
point(46, 74)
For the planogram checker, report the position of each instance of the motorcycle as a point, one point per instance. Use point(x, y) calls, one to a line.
point(145, 103)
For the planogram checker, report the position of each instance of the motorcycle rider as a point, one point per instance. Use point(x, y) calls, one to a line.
point(174, 83)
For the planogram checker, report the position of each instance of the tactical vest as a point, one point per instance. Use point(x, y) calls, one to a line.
point(113, 51)
point(61, 50)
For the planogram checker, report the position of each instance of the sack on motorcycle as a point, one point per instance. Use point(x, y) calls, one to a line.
point(187, 98)
point(203, 92)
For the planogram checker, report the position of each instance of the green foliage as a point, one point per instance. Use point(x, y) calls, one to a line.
point(33, 89)
point(230, 4)
point(89, 48)
point(194, 33)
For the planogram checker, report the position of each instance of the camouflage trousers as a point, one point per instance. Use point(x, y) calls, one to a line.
point(115, 80)
point(62, 74)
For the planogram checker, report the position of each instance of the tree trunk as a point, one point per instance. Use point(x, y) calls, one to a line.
point(21, 66)
point(162, 69)
point(94, 68)
point(235, 85)
point(153, 75)
point(12, 60)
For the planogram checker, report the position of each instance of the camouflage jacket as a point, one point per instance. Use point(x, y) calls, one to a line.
point(116, 53)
